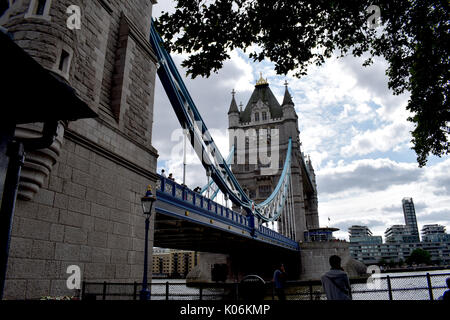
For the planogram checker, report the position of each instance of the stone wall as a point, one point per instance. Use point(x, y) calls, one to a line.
point(314, 258)
point(87, 211)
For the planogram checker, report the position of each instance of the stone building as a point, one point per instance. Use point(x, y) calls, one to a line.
point(79, 200)
point(176, 263)
point(264, 118)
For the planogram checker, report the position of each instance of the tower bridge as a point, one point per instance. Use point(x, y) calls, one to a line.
point(78, 200)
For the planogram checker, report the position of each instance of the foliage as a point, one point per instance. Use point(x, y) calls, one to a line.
point(419, 256)
point(414, 39)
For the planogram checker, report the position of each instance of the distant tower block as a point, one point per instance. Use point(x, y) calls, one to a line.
point(410, 217)
point(262, 114)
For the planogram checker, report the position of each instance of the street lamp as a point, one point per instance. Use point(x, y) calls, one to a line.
point(147, 203)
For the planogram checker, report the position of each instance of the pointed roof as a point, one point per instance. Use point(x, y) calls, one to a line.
point(262, 92)
point(233, 105)
point(287, 96)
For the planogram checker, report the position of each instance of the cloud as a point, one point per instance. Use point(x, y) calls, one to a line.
point(351, 124)
point(367, 175)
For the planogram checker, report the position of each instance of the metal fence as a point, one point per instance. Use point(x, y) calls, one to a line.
point(378, 287)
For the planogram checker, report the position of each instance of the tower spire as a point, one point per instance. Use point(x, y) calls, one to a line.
point(233, 105)
point(287, 96)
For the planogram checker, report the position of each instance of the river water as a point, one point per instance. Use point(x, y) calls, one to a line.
point(408, 288)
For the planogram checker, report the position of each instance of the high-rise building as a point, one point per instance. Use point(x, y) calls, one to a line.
point(434, 233)
point(410, 218)
point(362, 234)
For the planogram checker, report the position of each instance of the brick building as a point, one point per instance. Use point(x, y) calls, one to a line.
point(79, 200)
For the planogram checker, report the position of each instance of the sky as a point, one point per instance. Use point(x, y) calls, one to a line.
point(352, 126)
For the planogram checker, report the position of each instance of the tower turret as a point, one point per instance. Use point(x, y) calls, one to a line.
point(233, 112)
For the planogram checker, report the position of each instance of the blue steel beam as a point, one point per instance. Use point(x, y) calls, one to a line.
point(191, 120)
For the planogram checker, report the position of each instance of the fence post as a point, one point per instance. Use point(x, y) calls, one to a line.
point(430, 288)
point(200, 293)
point(167, 290)
point(134, 290)
point(273, 291)
point(83, 289)
point(388, 279)
point(104, 291)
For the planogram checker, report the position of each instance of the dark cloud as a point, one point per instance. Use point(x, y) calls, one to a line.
point(376, 175)
point(370, 223)
point(418, 206)
point(435, 215)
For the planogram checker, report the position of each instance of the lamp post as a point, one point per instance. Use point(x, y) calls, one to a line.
point(147, 204)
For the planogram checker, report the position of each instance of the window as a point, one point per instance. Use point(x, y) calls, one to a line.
point(4, 5)
point(39, 9)
point(264, 116)
point(62, 65)
point(256, 116)
point(64, 61)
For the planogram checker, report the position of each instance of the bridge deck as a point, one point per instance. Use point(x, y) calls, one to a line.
point(187, 220)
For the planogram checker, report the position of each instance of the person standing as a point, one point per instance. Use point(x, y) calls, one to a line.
point(335, 282)
point(279, 279)
point(446, 295)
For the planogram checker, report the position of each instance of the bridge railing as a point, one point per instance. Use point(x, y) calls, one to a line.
point(278, 236)
point(183, 193)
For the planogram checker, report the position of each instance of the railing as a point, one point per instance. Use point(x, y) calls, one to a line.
point(183, 193)
point(413, 287)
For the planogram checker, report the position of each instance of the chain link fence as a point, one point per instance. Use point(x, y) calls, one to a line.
point(377, 287)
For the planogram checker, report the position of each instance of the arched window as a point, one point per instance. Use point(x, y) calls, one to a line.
point(39, 9)
point(4, 5)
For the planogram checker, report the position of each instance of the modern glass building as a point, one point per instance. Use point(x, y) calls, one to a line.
point(410, 218)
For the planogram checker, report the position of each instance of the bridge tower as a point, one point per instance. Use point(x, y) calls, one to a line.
point(264, 117)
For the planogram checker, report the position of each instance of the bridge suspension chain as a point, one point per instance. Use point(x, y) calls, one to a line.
point(205, 147)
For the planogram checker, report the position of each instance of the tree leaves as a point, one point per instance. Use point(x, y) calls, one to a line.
point(294, 34)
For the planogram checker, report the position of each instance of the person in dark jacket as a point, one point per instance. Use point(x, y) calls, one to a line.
point(446, 295)
point(335, 282)
point(279, 279)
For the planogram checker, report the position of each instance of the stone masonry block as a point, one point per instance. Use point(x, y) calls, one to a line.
point(119, 256)
point(100, 211)
point(20, 247)
point(46, 213)
point(71, 218)
point(43, 250)
point(37, 289)
point(34, 229)
point(66, 252)
point(15, 289)
point(79, 205)
point(119, 242)
point(61, 201)
point(74, 190)
point(97, 239)
point(75, 235)
point(56, 232)
point(101, 255)
point(45, 197)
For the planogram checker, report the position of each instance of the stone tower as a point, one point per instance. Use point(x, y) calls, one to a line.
point(79, 200)
point(264, 118)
